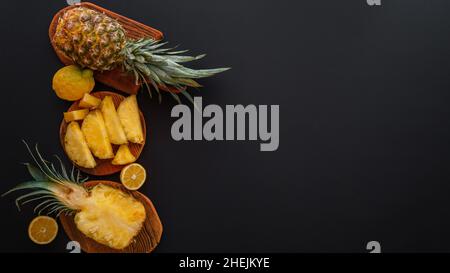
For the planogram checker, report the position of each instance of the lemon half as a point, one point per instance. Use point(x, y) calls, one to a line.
point(133, 176)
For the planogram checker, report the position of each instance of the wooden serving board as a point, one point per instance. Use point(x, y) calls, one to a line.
point(104, 166)
point(145, 242)
point(134, 30)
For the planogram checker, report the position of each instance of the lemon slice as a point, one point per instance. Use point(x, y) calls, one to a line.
point(42, 230)
point(133, 176)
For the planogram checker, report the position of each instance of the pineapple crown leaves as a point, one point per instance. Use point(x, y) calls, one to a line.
point(151, 64)
point(45, 177)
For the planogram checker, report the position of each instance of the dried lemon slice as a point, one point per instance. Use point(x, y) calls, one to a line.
point(133, 176)
point(42, 230)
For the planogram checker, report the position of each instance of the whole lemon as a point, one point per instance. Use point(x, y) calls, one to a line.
point(71, 82)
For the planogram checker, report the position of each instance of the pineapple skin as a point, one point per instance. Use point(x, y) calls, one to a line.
point(110, 217)
point(129, 116)
point(77, 148)
point(94, 129)
point(113, 126)
point(90, 38)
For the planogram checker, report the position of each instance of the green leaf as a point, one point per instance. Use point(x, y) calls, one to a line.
point(147, 59)
point(35, 172)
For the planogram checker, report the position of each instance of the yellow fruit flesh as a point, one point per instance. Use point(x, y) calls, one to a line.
point(75, 115)
point(123, 156)
point(128, 112)
point(43, 230)
point(113, 126)
point(133, 176)
point(76, 147)
point(71, 82)
point(89, 101)
point(94, 129)
point(110, 217)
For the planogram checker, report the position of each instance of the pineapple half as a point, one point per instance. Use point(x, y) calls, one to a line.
point(96, 41)
point(107, 215)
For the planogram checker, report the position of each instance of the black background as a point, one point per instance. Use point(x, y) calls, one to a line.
point(364, 96)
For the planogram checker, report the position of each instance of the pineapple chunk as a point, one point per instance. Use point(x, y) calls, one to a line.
point(89, 101)
point(94, 129)
point(115, 131)
point(110, 217)
point(77, 148)
point(128, 111)
point(75, 115)
point(123, 156)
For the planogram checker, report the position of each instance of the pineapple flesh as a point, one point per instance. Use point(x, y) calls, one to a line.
point(89, 101)
point(113, 126)
point(130, 118)
point(123, 156)
point(97, 139)
point(110, 217)
point(77, 148)
point(75, 115)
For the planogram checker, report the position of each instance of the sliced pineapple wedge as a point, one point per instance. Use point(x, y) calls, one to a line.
point(97, 139)
point(113, 126)
point(89, 101)
point(76, 146)
point(128, 111)
point(123, 156)
point(75, 115)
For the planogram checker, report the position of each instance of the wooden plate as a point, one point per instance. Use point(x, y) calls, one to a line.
point(104, 166)
point(145, 242)
point(134, 30)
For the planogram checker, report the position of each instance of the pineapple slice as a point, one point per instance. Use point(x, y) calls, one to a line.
point(123, 156)
point(75, 115)
point(94, 129)
point(128, 111)
point(77, 148)
point(89, 101)
point(115, 131)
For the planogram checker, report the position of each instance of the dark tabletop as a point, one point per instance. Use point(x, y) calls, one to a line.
point(364, 95)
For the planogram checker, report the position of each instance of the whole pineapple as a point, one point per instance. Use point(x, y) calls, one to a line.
point(94, 40)
point(90, 38)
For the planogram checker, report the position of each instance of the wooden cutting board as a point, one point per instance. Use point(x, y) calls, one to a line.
point(145, 242)
point(104, 166)
point(134, 30)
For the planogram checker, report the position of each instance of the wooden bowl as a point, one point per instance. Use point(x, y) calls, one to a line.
point(104, 166)
point(115, 78)
point(145, 242)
